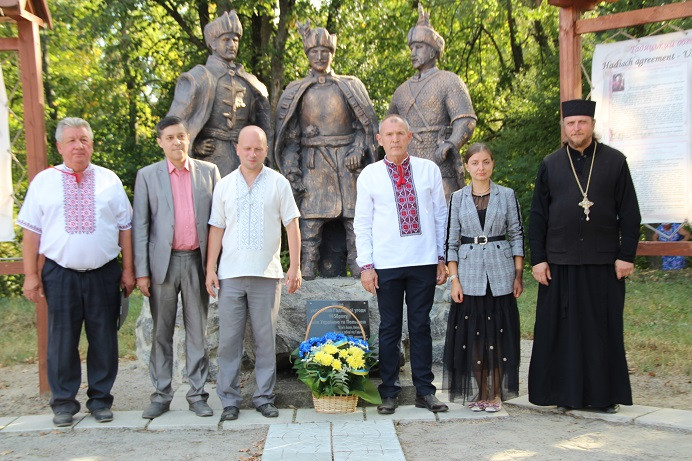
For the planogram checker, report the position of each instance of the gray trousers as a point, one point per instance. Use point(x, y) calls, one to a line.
point(185, 276)
point(259, 297)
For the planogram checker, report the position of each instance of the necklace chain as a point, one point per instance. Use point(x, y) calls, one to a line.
point(585, 203)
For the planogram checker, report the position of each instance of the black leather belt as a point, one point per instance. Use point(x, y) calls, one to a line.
point(481, 239)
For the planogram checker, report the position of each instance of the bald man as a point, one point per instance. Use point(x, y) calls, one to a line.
point(248, 208)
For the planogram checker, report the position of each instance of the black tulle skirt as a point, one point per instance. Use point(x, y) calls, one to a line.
point(482, 348)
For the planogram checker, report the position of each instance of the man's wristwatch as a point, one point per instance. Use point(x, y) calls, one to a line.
point(453, 276)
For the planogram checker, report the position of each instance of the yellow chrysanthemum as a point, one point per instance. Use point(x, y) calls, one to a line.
point(323, 358)
point(343, 353)
point(336, 364)
point(330, 349)
point(355, 362)
point(356, 351)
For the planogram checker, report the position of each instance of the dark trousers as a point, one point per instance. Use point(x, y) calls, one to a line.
point(91, 298)
point(417, 285)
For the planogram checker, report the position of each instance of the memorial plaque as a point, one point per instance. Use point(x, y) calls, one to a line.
point(337, 320)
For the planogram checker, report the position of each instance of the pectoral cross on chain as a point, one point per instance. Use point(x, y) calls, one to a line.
point(236, 101)
point(586, 204)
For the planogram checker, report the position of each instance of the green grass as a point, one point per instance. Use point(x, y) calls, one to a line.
point(658, 311)
point(18, 340)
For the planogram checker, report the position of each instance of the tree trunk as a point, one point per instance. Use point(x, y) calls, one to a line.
point(277, 58)
point(517, 54)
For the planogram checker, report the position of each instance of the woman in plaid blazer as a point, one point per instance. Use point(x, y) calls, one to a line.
point(485, 254)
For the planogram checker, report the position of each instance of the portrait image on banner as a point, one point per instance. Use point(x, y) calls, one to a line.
point(642, 93)
point(6, 202)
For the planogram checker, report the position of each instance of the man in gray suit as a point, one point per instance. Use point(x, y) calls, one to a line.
point(171, 210)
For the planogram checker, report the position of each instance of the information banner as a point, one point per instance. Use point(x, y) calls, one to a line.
point(6, 224)
point(642, 93)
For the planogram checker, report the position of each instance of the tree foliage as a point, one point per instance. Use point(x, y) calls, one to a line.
point(116, 64)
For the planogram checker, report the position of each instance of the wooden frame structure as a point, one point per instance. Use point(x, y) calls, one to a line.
point(571, 30)
point(29, 15)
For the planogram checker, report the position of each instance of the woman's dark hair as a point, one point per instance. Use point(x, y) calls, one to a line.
point(475, 148)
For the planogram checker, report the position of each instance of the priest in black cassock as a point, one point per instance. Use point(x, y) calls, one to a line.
point(584, 229)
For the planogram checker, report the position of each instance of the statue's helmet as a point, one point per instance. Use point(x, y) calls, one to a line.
point(227, 23)
point(424, 33)
point(316, 37)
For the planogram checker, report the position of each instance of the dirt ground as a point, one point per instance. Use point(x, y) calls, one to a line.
point(19, 390)
point(551, 435)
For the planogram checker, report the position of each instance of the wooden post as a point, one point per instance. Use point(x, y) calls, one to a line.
point(570, 54)
point(35, 133)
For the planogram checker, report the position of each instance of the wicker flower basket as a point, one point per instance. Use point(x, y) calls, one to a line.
point(335, 403)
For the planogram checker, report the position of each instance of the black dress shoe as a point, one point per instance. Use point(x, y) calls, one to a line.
point(268, 410)
point(230, 413)
point(103, 415)
point(612, 409)
point(201, 408)
point(62, 419)
point(155, 409)
point(431, 403)
point(387, 406)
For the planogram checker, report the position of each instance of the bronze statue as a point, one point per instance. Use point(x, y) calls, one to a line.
point(218, 99)
point(325, 135)
point(436, 104)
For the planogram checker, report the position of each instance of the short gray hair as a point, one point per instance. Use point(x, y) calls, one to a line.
point(72, 122)
point(394, 117)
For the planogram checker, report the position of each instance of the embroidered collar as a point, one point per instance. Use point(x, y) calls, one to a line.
point(69, 171)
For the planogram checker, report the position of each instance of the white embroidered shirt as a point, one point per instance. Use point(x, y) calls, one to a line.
point(401, 215)
point(252, 219)
point(80, 222)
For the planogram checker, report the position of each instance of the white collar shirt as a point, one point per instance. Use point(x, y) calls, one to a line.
point(79, 223)
point(400, 222)
point(252, 218)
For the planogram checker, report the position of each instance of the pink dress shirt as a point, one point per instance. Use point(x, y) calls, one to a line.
point(184, 227)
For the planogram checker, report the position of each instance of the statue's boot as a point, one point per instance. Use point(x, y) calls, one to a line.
point(310, 258)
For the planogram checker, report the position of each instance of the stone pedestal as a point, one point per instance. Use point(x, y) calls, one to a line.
point(291, 324)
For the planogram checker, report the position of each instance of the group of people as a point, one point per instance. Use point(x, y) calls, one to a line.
point(194, 234)
point(190, 234)
point(199, 229)
point(583, 237)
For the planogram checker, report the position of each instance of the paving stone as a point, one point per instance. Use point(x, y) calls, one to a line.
point(389, 455)
point(667, 417)
point(374, 438)
point(300, 431)
point(254, 417)
point(38, 423)
point(406, 412)
point(307, 441)
point(183, 420)
point(304, 415)
point(121, 420)
point(523, 401)
point(626, 414)
point(5, 420)
point(275, 455)
point(459, 411)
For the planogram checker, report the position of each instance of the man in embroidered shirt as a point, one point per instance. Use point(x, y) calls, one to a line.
point(171, 209)
point(248, 209)
point(78, 216)
point(583, 237)
point(400, 225)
